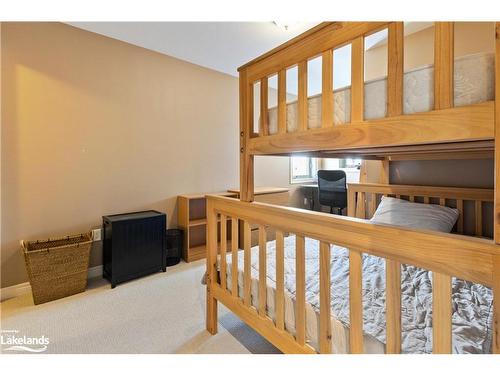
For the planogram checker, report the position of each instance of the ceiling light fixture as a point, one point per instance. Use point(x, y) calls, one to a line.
point(283, 24)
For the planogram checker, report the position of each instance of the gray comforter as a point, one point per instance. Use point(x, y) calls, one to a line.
point(472, 303)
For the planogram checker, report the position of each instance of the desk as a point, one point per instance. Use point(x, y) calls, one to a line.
point(273, 195)
point(310, 190)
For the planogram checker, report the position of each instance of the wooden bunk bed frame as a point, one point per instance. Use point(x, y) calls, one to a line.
point(446, 131)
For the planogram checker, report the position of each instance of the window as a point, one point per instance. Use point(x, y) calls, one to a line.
point(350, 163)
point(303, 168)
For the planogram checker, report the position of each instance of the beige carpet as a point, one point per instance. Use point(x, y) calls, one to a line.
point(161, 313)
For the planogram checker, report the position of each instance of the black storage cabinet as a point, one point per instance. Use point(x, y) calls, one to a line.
point(133, 245)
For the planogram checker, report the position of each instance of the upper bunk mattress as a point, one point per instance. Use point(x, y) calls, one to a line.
point(474, 79)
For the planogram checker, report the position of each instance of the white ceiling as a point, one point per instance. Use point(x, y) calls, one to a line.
point(222, 46)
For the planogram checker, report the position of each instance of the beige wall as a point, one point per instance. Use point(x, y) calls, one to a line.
point(93, 126)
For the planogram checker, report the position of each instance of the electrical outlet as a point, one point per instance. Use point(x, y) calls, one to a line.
point(96, 234)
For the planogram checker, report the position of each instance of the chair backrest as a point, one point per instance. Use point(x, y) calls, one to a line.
point(332, 188)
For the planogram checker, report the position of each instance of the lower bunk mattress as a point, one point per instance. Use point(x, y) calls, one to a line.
point(472, 303)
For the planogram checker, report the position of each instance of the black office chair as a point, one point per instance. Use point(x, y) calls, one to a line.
point(332, 189)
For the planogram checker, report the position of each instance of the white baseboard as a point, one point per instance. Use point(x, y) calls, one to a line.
point(95, 272)
point(23, 288)
point(14, 291)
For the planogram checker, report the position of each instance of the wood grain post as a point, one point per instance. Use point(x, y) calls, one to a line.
point(460, 222)
point(300, 290)
point(393, 306)
point(234, 256)
point(247, 264)
point(264, 123)
point(443, 65)
point(357, 79)
point(302, 104)
point(223, 251)
point(246, 129)
point(496, 304)
point(395, 69)
point(262, 271)
point(441, 313)
point(361, 205)
point(280, 281)
point(351, 202)
point(282, 101)
point(355, 302)
point(496, 263)
point(479, 217)
point(360, 199)
point(325, 323)
point(443, 99)
point(211, 275)
point(327, 89)
point(497, 136)
point(384, 171)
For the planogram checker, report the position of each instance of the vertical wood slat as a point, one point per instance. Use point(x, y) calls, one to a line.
point(479, 218)
point(384, 171)
point(247, 260)
point(246, 130)
point(302, 105)
point(361, 208)
point(360, 202)
point(496, 207)
point(372, 205)
point(262, 271)
point(393, 306)
point(282, 101)
point(234, 256)
point(443, 65)
point(300, 290)
point(325, 327)
point(426, 200)
point(264, 119)
point(223, 251)
point(351, 203)
point(280, 280)
point(327, 89)
point(442, 201)
point(460, 222)
point(496, 204)
point(496, 304)
point(441, 313)
point(355, 302)
point(395, 69)
point(357, 79)
point(211, 234)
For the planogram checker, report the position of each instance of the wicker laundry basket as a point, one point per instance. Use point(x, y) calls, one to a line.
point(57, 267)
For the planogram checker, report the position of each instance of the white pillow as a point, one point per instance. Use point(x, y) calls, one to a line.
point(415, 215)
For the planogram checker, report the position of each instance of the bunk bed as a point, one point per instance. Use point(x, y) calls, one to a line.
point(329, 283)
